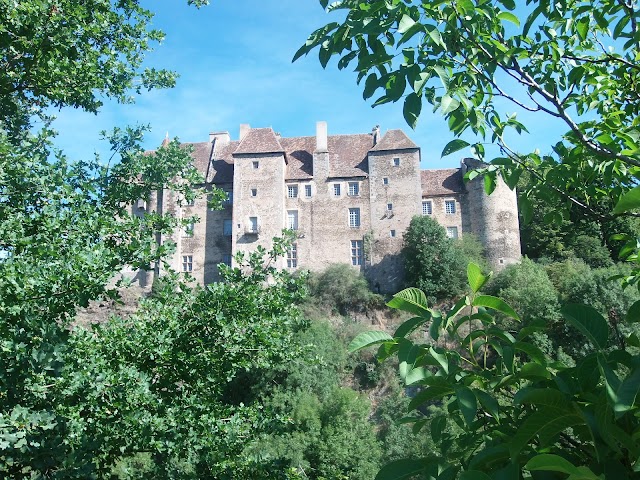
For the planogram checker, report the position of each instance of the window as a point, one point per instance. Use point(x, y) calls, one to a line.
point(385, 181)
point(396, 161)
point(292, 256)
point(389, 206)
point(226, 258)
point(141, 204)
point(256, 165)
point(356, 252)
point(227, 227)
point(187, 263)
point(427, 207)
point(190, 203)
point(354, 217)
point(253, 224)
point(229, 200)
point(450, 206)
point(336, 189)
point(188, 230)
point(392, 234)
point(307, 191)
point(292, 191)
point(354, 189)
point(452, 232)
point(254, 192)
point(292, 219)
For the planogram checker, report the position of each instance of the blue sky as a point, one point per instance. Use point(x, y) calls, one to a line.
point(234, 61)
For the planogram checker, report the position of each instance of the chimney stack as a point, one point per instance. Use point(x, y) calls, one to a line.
point(321, 137)
point(221, 138)
point(376, 134)
point(244, 129)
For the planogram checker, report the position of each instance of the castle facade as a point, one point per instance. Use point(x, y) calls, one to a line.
point(350, 198)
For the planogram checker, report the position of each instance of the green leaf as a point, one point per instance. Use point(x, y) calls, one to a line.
point(628, 201)
point(410, 300)
point(633, 315)
point(366, 339)
point(419, 82)
point(589, 321)
point(474, 475)
point(430, 393)
point(582, 27)
point(411, 109)
point(489, 403)
point(454, 146)
point(401, 469)
point(475, 277)
point(467, 403)
point(448, 104)
point(410, 326)
point(555, 463)
point(406, 22)
point(496, 304)
point(545, 424)
point(509, 17)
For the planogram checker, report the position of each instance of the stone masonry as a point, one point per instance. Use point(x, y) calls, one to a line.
point(349, 197)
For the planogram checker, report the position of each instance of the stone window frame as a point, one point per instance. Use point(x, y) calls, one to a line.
point(187, 263)
point(389, 207)
point(392, 233)
point(356, 252)
point(254, 192)
point(396, 161)
point(427, 207)
point(292, 190)
point(307, 191)
point(254, 226)
point(385, 180)
point(296, 220)
point(292, 256)
point(353, 189)
point(337, 189)
point(354, 217)
point(255, 164)
point(447, 203)
point(452, 232)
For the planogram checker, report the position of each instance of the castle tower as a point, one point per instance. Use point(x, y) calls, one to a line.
point(493, 218)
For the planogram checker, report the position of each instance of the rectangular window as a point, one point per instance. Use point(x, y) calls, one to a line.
point(187, 263)
point(354, 217)
point(292, 191)
point(229, 200)
point(226, 258)
point(292, 219)
point(450, 206)
point(307, 191)
point(188, 230)
point(427, 207)
point(354, 189)
point(254, 192)
point(452, 232)
point(385, 181)
point(292, 256)
point(256, 165)
point(356, 252)
point(253, 224)
point(396, 161)
point(389, 206)
point(392, 234)
point(227, 227)
point(141, 204)
point(336, 189)
point(190, 203)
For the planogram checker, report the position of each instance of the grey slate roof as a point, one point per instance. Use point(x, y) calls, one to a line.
point(441, 182)
point(394, 140)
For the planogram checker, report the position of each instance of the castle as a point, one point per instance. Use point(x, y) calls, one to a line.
point(349, 198)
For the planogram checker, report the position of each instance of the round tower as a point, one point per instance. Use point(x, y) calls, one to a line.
point(494, 218)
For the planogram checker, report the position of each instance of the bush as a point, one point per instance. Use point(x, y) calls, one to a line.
point(343, 290)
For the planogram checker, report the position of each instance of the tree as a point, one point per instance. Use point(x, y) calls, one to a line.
point(59, 53)
point(431, 260)
point(574, 62)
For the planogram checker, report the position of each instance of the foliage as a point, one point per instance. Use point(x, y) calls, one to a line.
point(518, 412)
point(527, 287)
point(340, 286)
point(575, 62)
point(65, 53)
point(431, 260)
